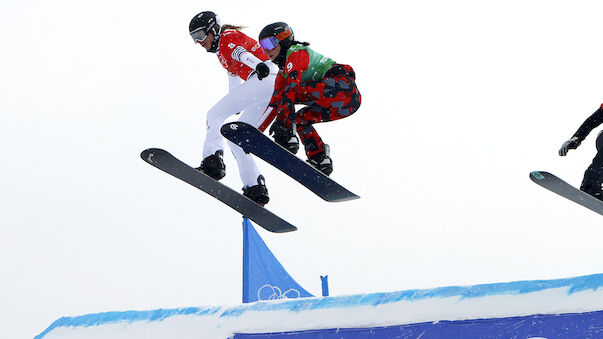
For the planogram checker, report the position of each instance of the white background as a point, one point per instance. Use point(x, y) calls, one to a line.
point(461, 100)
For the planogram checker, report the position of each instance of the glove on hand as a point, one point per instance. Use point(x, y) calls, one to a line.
point(572, 143)
point(285, 136)
point(262, 70)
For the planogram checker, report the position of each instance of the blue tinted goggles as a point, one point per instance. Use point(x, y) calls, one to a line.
point(271, 42)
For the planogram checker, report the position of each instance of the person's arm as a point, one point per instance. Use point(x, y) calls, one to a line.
point(296, 63)
point(589, 124)
point(277, 95)
point(592, 122)
point(240, 54)
point(283, 135)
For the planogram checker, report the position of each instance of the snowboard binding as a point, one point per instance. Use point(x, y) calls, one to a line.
point(284, 136)
point(213, 166)
point(322, 161)
point(257, 193)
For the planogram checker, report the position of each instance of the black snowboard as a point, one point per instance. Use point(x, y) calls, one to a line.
point(253, 141)
point(554, 184)
point(248, 208)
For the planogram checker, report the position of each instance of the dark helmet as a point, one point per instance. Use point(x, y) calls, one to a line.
point(282, 33)
point(203, 24)
point(278, 33)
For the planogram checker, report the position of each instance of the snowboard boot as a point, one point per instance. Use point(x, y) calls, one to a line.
point(593, 189)
point(592, 183)
point(257, 193)
point(292, 144)
point(213, 166)
point(284, 136)
point(322, 161)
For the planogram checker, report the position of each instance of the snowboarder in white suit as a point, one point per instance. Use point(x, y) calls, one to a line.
point(251, 77)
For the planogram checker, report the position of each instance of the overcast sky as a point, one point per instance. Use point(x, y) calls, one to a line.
point(461, 100)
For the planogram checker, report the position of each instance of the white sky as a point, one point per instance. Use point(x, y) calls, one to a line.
point(461, 100)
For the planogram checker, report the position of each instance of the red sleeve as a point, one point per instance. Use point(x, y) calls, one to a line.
point(277, 95)
point(296, 63)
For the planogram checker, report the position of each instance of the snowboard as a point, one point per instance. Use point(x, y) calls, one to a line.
point(253, 141)
point(556, 185)
point(166, 162)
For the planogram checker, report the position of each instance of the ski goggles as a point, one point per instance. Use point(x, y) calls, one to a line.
point(271, 42)
point(199, 36)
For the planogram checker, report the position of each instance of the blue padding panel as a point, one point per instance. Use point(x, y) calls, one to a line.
point(564, 326)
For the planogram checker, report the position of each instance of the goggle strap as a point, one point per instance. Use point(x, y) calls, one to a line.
point(283, 35)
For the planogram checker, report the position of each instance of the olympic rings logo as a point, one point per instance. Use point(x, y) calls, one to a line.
point(269, 292)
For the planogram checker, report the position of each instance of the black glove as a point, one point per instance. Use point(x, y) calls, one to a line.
point(572, 143)
point(285, 136)
point(262, 70)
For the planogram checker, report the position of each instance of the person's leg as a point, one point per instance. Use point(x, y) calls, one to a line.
point(231, 104)
point(257, 94)
point(332, 98)
point(241, 98)
point(593, 176)
point(213, 146)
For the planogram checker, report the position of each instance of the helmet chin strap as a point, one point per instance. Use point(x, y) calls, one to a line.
point(280, 60)
point(281, 57)
point(215, 43)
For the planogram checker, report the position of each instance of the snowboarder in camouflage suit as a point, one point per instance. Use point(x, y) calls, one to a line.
point(327, 89)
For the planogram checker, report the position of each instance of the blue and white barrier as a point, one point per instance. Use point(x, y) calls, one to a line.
point(563, 308)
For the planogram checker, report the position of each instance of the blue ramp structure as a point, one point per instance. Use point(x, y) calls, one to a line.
point(264, 278)
point(569, 308)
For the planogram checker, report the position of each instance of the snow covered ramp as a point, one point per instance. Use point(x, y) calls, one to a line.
point(563, 308)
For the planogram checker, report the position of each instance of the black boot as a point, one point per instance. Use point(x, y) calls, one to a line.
point(322, 161)
point(593, 188)
point(213, 165)
point(285, 136)
point(593, 176)
point(257, 193)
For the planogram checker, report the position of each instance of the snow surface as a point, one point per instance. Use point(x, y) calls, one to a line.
point(574, 295)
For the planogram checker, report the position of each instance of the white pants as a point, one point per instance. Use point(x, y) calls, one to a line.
point(251, 98)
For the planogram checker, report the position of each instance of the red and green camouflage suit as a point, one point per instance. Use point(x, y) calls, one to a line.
point(326, 88)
